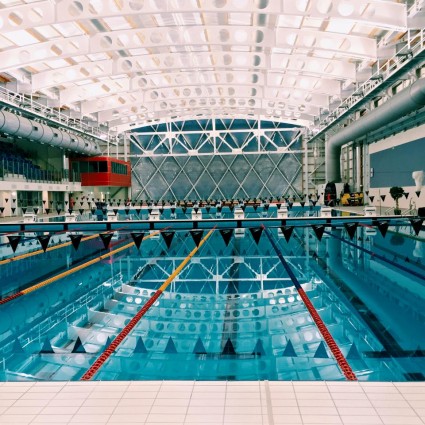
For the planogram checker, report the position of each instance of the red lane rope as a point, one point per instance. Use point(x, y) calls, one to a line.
point(339, 357)
point(94, 368)
point(11, 297)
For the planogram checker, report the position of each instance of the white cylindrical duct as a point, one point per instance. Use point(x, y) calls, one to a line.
point(408, 100)
point(16, 125)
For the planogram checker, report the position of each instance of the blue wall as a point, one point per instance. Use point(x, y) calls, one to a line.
point(394, 166)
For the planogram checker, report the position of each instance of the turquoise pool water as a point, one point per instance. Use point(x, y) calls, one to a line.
point(233, 313)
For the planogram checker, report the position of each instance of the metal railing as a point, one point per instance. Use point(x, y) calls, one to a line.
point(27, 103)
point(414, 46)
point(27, 171)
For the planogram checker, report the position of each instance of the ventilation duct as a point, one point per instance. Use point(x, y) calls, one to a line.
point(16, 125)
point(408, 100)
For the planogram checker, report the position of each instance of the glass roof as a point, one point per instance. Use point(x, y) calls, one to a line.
point(129, 63)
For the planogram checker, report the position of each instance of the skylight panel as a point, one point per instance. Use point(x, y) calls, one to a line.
point(48, 32)
point(240, 18)
point(117, 23)
point(58, 63)
point(340, 26)
point(69, 29)
point(21, 38)
point(286, 21)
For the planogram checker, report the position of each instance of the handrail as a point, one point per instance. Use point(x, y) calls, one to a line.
point(27, 103)
point(415, 46)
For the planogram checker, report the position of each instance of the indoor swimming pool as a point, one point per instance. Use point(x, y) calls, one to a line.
point(236, 311)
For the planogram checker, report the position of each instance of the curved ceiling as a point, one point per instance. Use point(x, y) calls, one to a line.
point(128, 63)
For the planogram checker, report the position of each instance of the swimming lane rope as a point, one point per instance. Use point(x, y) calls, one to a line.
point(339, 357)
point(71, 271)
point(89, 374)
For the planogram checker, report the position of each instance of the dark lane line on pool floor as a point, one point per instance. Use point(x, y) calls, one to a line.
point(99, 362)
point(336, 351)
point(377, 256)
point(71, 271)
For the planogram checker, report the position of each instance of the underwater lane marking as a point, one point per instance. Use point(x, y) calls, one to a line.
point(339, 357)
point(377, 256)
point(71, 271)
point(94, 368)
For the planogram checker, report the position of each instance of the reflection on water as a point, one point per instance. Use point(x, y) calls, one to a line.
point(233, 312)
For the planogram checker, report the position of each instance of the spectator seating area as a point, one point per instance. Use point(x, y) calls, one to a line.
point(13, 161)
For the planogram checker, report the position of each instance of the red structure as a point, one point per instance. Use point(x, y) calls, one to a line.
point(102, 171)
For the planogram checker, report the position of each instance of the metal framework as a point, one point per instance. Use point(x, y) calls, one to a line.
point(217, 158)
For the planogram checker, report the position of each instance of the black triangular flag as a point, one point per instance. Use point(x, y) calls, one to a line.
point(351, 229)
point(184, 209)
point(106, 239)
point(51, 202)
point(406, 194)
point(127, 211)
point(75, 240)
point(207, 209)
point(199, 347)
point(170, 348)
point(47, 347)
point(173, 210)
point(228, 348)
point(78, 346)
point(81, 204)
point(66, 202)
point(197, 236)
point(255, 207)
point(383, 227)
point(44, 241)
point(1, 210)
point(14, 241)
point(70, 210)
point(24, 210)
point(289, 350)
point(416, 224)
point(318, 230)
point(226, 234)
point(371, 198)
point(137, 238)
point(140, 347)
point(93, 210)
point(58, 210)
point(302, 203)
point(81, 210)
point(418, 193)
point(168, 238)
point(321, 352)
point(47, 211)
point(383, 197)
point(256, 233)
point(196, 210)
point(115, 210)
point(367, 193)
point(278, 206)
point(287, 232)
point(259, 349)
point(14, 209)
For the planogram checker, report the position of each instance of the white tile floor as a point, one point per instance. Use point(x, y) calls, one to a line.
point(187, 402)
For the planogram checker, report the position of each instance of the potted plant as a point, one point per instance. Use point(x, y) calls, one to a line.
point(396, 193)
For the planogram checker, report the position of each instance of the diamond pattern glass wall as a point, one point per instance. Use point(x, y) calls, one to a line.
point(216, 159)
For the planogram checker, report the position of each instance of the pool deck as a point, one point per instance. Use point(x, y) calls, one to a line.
point(219, 402)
